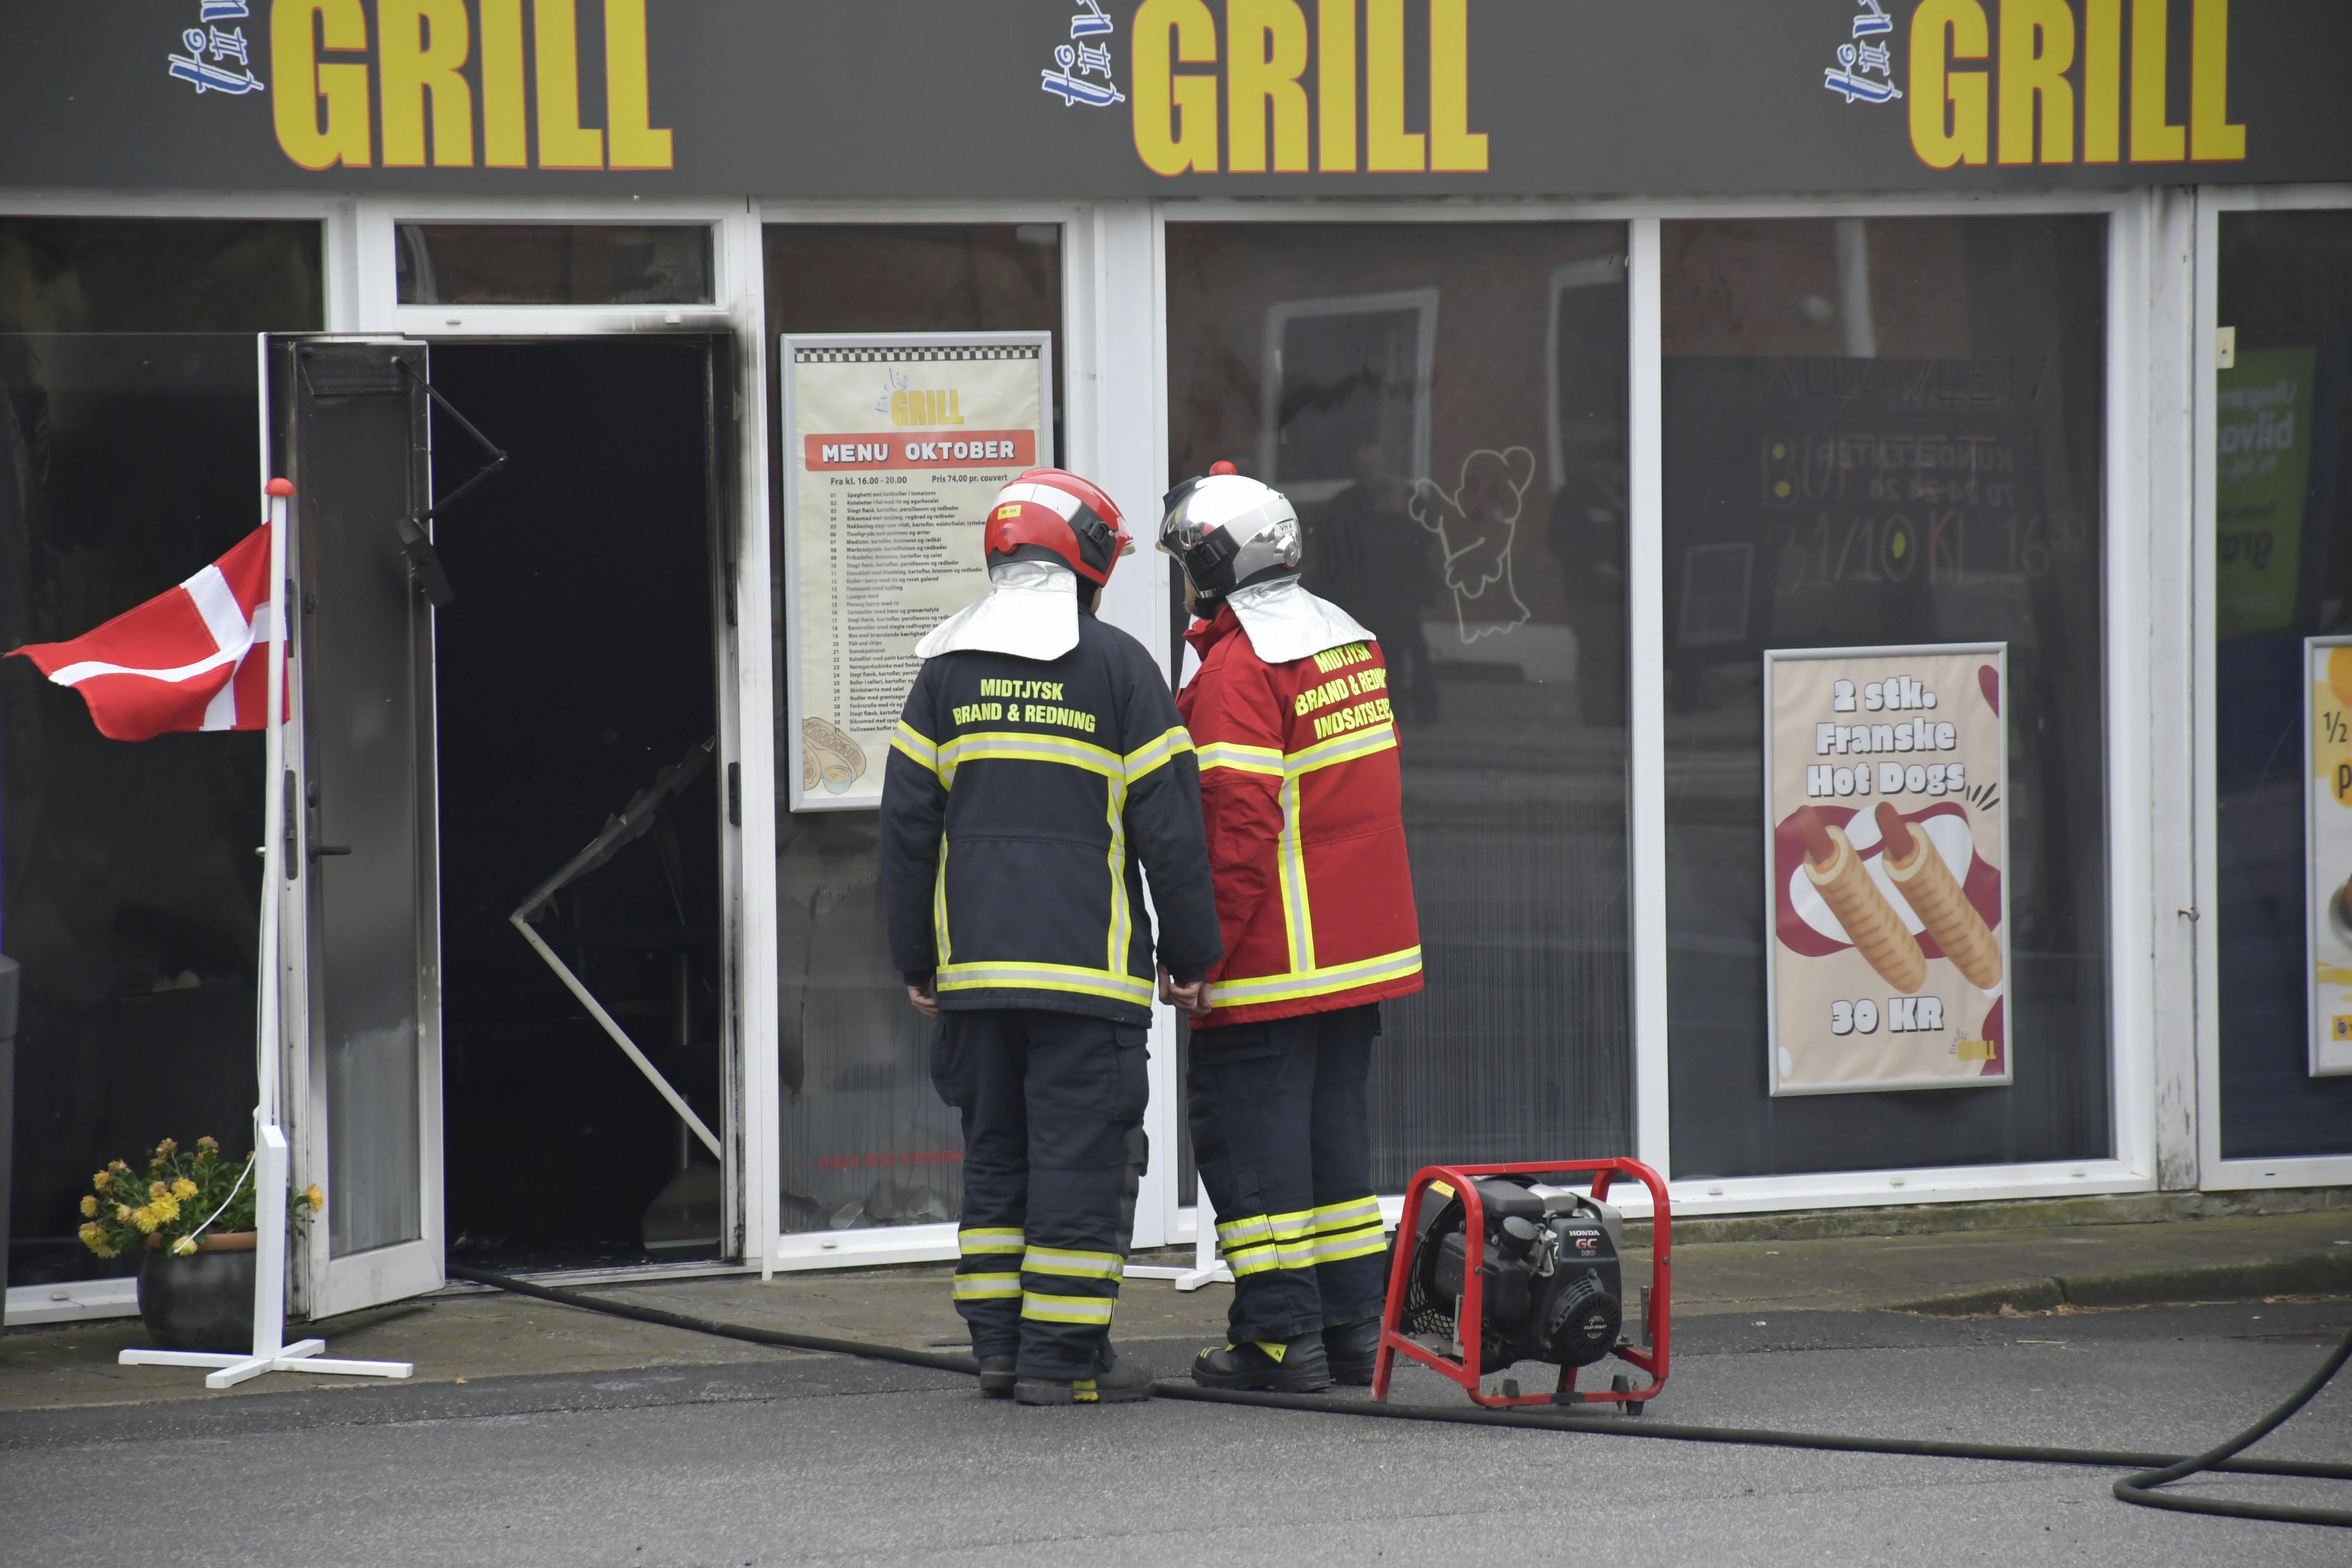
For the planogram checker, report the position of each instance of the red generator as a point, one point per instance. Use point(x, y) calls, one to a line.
point(1509, 1268)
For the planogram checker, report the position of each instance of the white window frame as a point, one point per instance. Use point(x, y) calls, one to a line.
point(2216, 1173)
point(1114, 431)
point(2133, 1049)
point(1115, 408)
point(746, 989)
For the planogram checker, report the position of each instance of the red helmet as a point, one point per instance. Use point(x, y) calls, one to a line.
point(1051, 512)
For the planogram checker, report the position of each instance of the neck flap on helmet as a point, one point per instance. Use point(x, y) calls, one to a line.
point(1284, 621)
point(1030, 611)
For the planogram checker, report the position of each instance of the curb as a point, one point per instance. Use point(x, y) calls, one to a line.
point(2308, 1274)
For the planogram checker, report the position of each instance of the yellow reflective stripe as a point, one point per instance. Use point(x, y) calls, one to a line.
point(939, 903)
point(1350, 1244)
point(972, 1243)
point(1156, 753)
point(1341, 749)
point(987, 1286)
point(1275, 1227)
point(1047, 1309)
point(1256, 1260)
point(1115, 948)
point(1011, 745)
point(916, 745)
point(1290, 855)
point(1330, 1217)
point(1314, 983)
point(1241, 758)
point(991, 975)
point(1074, 1265)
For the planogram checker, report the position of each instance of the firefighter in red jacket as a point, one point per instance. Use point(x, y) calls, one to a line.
point(1303, 804)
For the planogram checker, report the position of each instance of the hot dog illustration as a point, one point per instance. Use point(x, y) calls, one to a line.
point(1871, 924)
point(1927, 885)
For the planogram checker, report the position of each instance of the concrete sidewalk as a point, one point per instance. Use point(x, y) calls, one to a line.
point(469, 1336)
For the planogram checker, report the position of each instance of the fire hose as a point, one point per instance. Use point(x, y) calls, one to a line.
point(2150, 1472)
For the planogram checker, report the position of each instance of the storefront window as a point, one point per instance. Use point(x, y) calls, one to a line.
point(129, 889)
point(1886, 433)
point(554, 264)
point(865, 1138)
point(2282, 573)
point(1446, 406)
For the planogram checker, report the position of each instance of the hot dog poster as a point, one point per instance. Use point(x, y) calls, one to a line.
point(1886, 848)
point(2327, 864)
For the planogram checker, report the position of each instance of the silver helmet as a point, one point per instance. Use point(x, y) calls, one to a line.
point(1227, 531)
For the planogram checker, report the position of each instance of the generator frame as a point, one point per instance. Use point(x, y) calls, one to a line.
point(1657, 1312)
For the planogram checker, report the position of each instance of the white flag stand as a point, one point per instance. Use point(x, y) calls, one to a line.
point(270, 1176)
point(1207, 1267)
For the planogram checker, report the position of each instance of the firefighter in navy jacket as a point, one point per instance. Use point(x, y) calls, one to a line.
point(1039, 770)
point(1304, 806)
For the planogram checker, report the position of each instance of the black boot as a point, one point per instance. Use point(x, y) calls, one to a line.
point(1351, 1347)
point(1115, 1382)
point(996, 1377)
point(1293, 1366)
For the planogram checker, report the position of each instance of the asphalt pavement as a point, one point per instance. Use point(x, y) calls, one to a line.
point(782, 1458)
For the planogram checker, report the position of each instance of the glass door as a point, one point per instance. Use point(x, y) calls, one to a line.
point(348, 427)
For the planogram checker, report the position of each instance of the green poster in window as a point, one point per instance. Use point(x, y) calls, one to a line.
point(2264, 433)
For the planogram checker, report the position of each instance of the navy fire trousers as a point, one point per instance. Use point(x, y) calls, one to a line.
point(1053, 1147)
point(1281, 1131)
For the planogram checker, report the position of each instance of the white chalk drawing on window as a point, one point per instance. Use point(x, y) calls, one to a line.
point(1476, 525)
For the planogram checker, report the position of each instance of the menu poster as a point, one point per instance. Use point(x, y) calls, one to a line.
point(2327, 859)
point(894, 446)
point(1886, 834)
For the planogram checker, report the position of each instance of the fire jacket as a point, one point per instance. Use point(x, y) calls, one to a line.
point(1304, 803)
point(1021, 803)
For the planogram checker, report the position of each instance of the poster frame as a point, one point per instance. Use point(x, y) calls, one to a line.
point(2311, 1039)
point(790, 455)
point(1776, 1089)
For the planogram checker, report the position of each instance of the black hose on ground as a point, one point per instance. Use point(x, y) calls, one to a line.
point(2140, 1489)
point(962, 1364)
point(2155, 1469)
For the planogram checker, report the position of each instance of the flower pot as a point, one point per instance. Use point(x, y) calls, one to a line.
point(203, 1302)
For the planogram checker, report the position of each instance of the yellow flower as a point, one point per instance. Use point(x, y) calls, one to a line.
point(88, 1207)
point(145, 1219)
point(184, 1247)
point(103, 1180)
point(91, 1236)
point(156, 1189)
point(116, 1165)
point(314, 1197)
point(122, 1213)
point(165, 1208)
point(208, 1144)
point(184, 1189)
point(102, 1248)
point(167, 1149)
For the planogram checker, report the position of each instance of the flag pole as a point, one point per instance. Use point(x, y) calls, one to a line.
point(270, 1173)
point(270, 1176)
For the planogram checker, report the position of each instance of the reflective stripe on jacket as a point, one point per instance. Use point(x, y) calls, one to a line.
point(1304, 803)
point(1022, 802)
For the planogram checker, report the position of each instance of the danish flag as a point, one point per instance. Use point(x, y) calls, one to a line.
point(178, 661)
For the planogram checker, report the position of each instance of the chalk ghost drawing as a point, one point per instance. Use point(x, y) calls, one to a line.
point(1477, 524)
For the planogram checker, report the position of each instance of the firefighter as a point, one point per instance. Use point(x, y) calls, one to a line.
point(1302, 798)
point(1039, 767)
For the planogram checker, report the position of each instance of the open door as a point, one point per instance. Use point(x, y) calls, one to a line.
point(347, 423)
